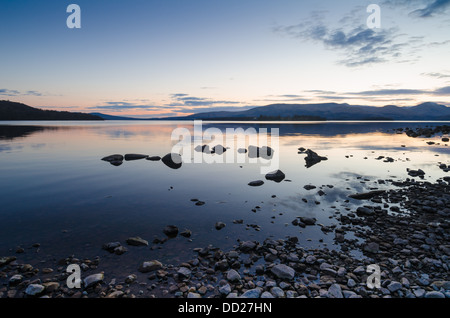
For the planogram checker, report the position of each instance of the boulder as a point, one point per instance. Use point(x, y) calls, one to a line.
point(276, 176)
point(313, 158)
point(283, 271)
point(172, 160)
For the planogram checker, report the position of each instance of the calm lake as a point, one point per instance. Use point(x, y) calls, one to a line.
point(56, 190)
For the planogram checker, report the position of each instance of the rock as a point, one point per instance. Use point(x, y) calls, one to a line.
point(335, 291)
point(313, 158)
point(6, 260)
point(445, 139)
point(203, 148)
point(277, 292)
point(93, 280)
point(256, 183)
point(276, 176)
point(171, 231)
point(154, 158)
point(136, 241)
point(219, 149)
point(366, 195)
point(308, 220)
point(256, 152)
point(111, 246)
point(51, 286)
point(233, 276)
point(186, 233)
point(15, 279)
point(309, 187)
point(242, 150)
point(115, 160)
point(130, 279)
point(252, 293)
point(133, 156)
point(394, 286)
point(150, 266)
point(225, 289)
point(372, 247)
point(219, 225)
point(120, 250)
point(34, 290)
point(365, 211)
point(416, 173)
point(283, 271)
point(173, 160)
point(193, 295)
point(184, 272)
point(247, 246)
point(266, 294)
point(434, 294)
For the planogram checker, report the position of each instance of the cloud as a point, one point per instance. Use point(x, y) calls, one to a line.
point(11, 92)
point(191, 101)
point(432, 9)
point(442, 91)
point(120, 106)
point(436, 74)
point(358, 45)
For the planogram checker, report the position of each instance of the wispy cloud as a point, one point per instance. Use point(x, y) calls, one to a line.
point(358, 45)
point(191, 101)
point(431, 9)
point(12, 92)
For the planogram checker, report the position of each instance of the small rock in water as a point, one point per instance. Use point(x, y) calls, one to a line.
point(150, 266)
point(171, 231)
point(136, 241)
point(276, 176)
point(220, 225)
point(256, 183)
point(283, 271)
point(154, 158)
point(133, 156)
point(115, 160)
point(173, 160)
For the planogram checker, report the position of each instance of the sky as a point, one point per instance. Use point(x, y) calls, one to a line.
point(160, 58)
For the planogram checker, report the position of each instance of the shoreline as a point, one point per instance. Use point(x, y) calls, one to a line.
point(411, 251)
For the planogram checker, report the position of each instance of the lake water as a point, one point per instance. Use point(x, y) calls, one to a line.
point(56, 190)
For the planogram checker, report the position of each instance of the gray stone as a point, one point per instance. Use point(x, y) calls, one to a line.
point(283, 271)
point(335, 291)
point(256, 183)
point(277, 292)
point(372, 247)
point(16, 279)
point(233, 276)
point(434, 294)
point(184, 272)
point(252, 293)
point(225, 289)
point(34, 289)
point(150, 266)
point(136, 241)
point(193, 295)
point(266, 294)
point(93, 279)
point(394, 286)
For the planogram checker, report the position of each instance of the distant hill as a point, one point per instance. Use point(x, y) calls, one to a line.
point(112, 117)
point(18, 111)
point(333, 111)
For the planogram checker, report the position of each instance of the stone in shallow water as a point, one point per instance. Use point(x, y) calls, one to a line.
point(93, 279)
point(137, 241)
point(256, 183)
point(150, 266)
point(34, 289)
point(172, 160)
point(133, 156)
point(283, 271)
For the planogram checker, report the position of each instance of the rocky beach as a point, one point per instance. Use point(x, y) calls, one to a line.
point(401, 231)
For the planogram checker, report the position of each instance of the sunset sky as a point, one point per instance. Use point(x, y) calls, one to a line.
point(148, 58)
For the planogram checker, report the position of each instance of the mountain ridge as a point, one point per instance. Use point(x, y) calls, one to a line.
point(18, 111)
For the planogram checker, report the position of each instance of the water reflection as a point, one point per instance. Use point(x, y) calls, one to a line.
point(53, 180)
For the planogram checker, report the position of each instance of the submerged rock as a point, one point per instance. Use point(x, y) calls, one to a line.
point(171, 231)
point(93, 280)
point(150, 266)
